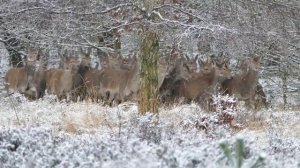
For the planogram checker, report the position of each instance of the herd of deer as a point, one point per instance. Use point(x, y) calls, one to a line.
point(117, 78)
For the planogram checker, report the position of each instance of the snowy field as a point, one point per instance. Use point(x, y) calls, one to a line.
point(47, 133)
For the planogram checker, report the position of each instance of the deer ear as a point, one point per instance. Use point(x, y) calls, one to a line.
point(213, 62)
point(197, 57)
point(201, 62)
point(226, 65)
point(39, 55)
point(256, 58)
point(187, 58)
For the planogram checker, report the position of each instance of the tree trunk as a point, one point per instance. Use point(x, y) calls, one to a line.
point(148, 93)
point(12, 45)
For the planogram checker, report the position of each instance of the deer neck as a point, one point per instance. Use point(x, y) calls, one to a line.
point(251, 75)
point(132, 82)
point(210, 78)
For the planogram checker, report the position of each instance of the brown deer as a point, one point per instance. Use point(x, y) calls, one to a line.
point(79, 88)
point(60, 81)
point(116, 83)
point(260, 97)
point(38, 85)
point(109, 65)
point(243, 85)
point(165, 66)
point(202, 85)
point(19, 79)
point(92, 84)
point(39, 82)
point(130, 71)
point(92, 76)
point(180, 71)
point(133, 79)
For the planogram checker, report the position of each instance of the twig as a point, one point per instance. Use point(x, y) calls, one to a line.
point(14, 108)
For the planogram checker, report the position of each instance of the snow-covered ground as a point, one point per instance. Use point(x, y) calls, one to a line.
point(47, 133)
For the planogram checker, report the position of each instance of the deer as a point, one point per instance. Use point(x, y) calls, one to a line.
point(164, 67)
point(260, 96)
point(92, 82)
point(130, 70)
point(243, 84)
point(112, 62)
point(116, 83)
point(109, 65)
point(20, 79)
point(198, 84)
point(39, 79)
point(79, 88)
point(202, 85)
point(180, 71)
point(60, 81)
point(133, 79)
point(39, 82)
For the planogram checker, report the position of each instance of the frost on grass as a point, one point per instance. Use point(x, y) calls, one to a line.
point(52, 134)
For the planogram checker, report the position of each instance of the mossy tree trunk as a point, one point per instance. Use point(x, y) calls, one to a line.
point(148, 92)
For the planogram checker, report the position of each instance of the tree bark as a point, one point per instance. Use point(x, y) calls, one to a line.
point(13, 47)
point(148, 93)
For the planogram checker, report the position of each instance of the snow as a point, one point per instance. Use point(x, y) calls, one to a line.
point(48, 133)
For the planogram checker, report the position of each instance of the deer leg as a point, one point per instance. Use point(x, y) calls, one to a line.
point(249, 104)
point(93, 97)
point(118, 99)
point(110, 98)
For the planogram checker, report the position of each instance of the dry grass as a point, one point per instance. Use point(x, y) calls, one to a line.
point(68, 124)
point(90, 117)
